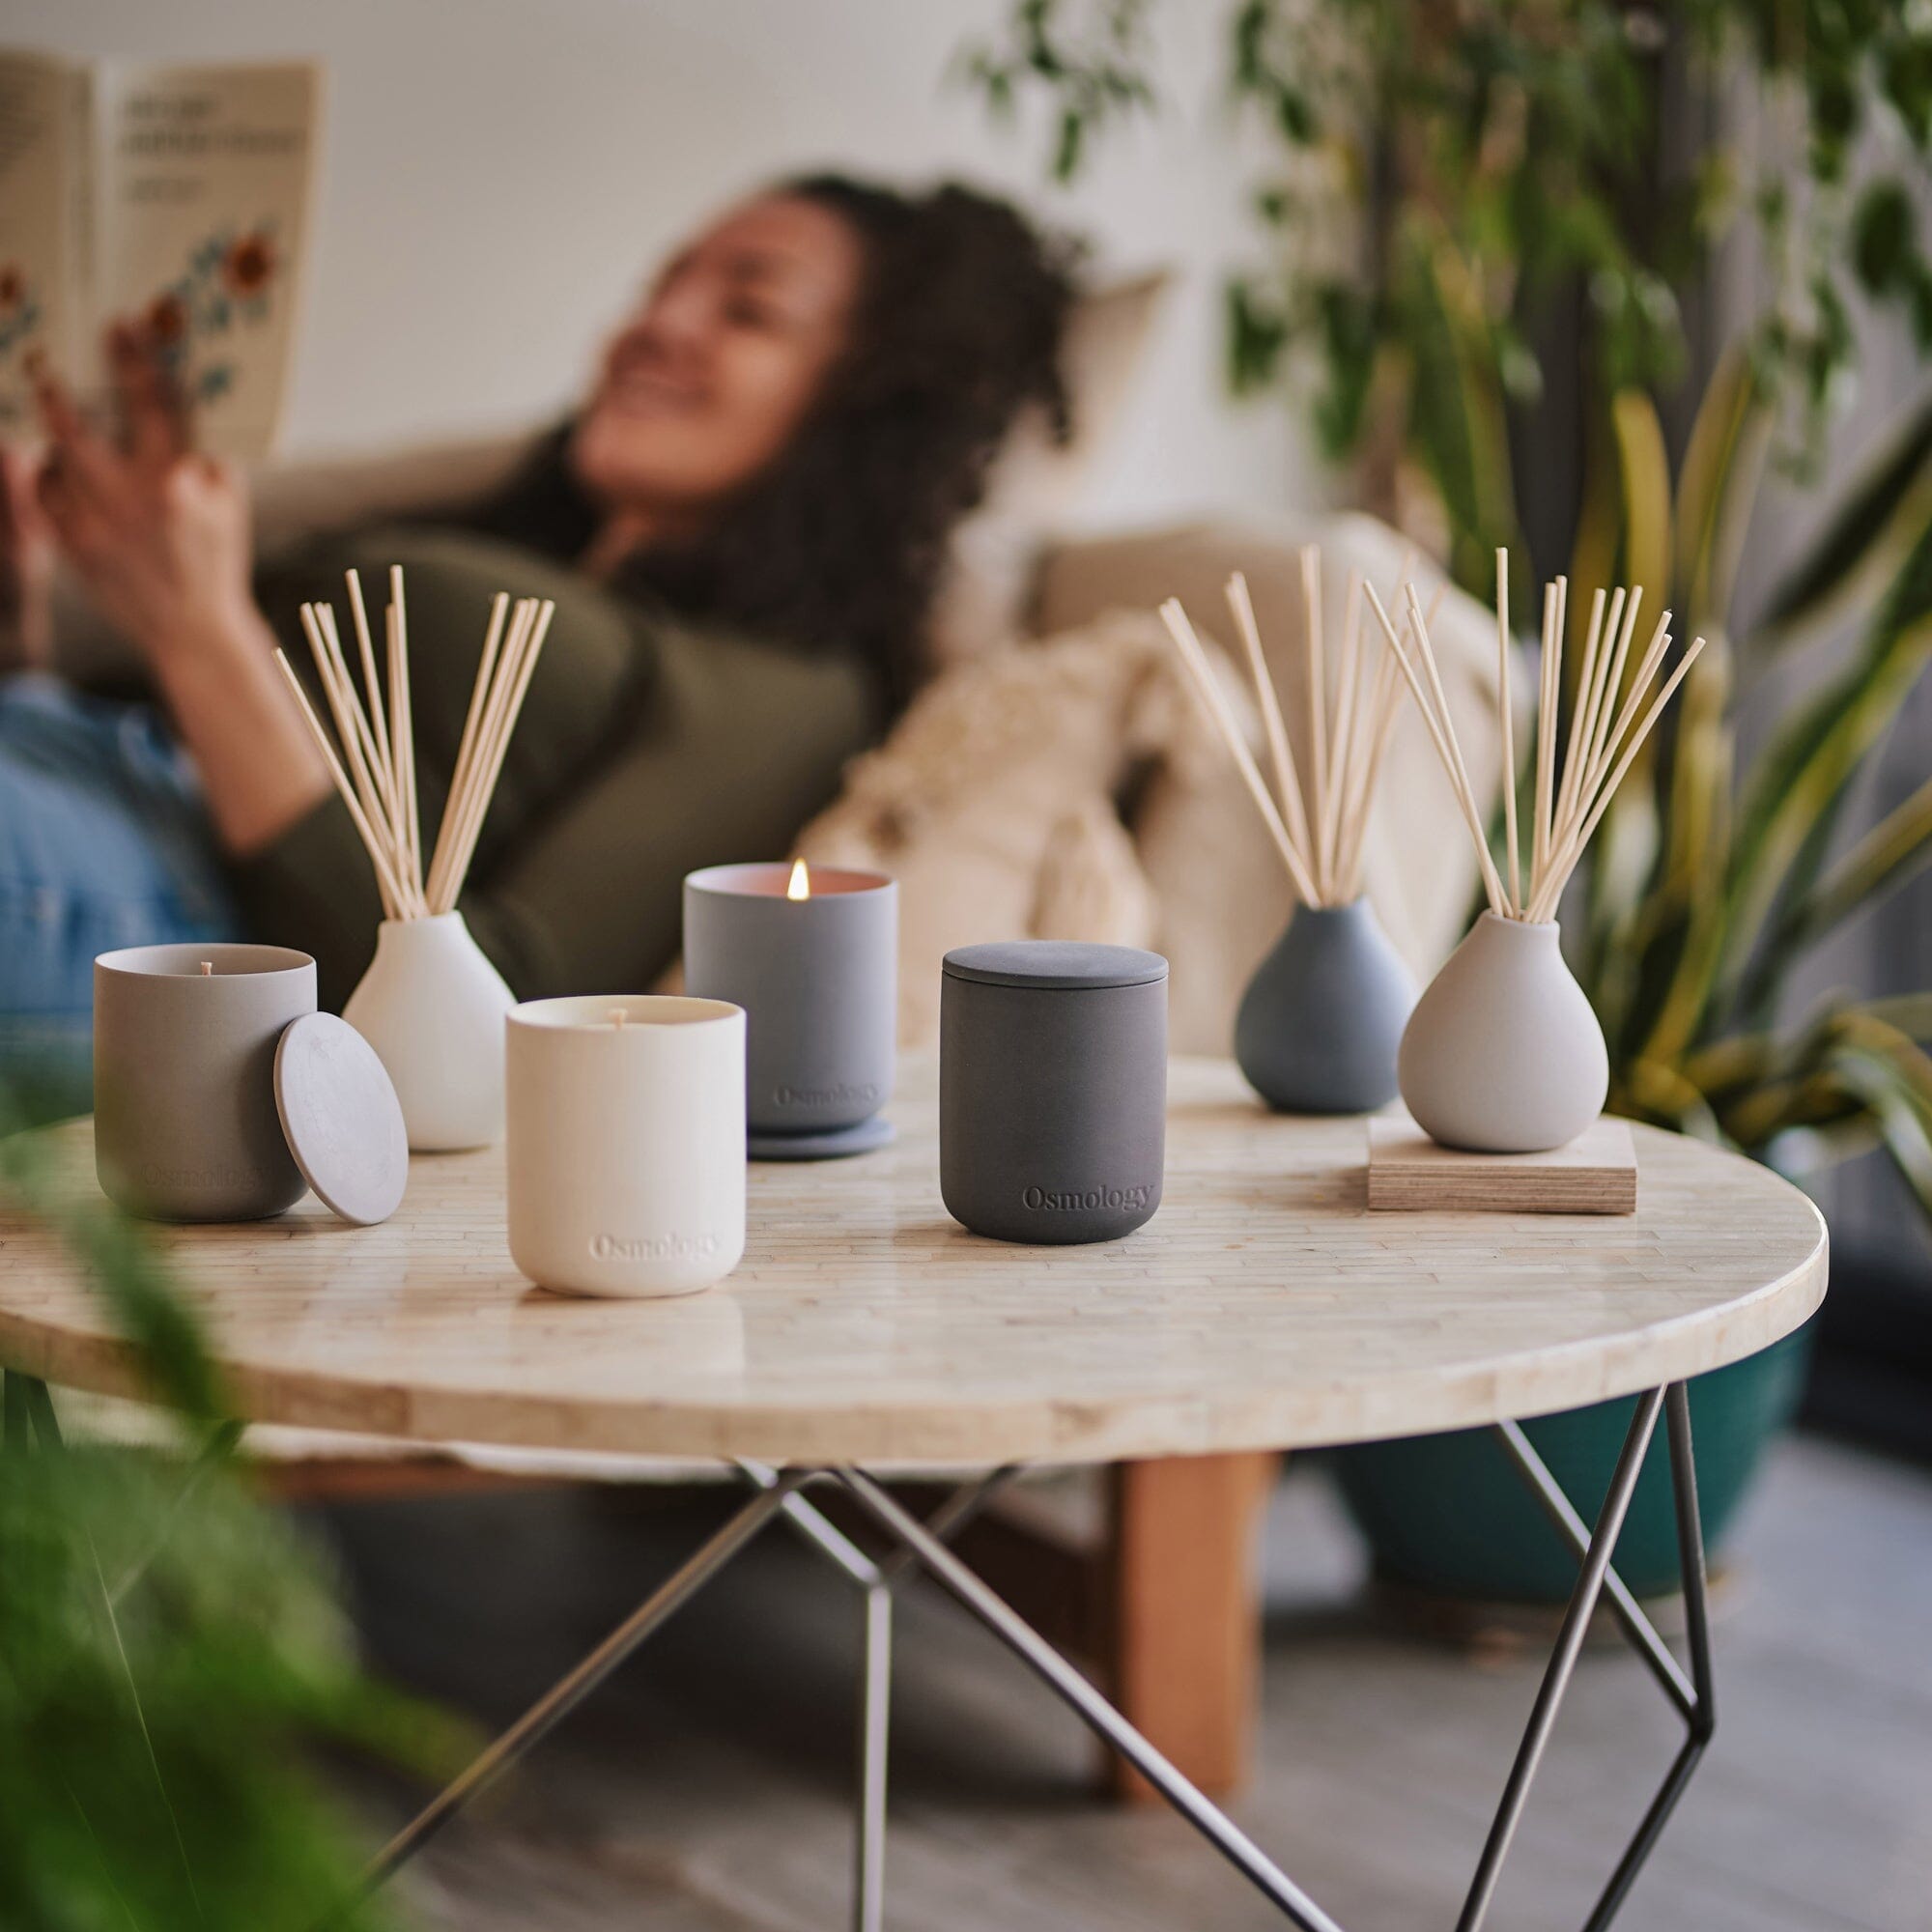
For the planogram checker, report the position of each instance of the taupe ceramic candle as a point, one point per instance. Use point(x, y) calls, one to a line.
point(184, 1122)
point(812, 958)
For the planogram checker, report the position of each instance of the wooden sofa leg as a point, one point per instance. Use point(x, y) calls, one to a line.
point(1182, 1636)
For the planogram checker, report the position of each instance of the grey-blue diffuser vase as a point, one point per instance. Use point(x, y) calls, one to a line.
point(1320, 1023)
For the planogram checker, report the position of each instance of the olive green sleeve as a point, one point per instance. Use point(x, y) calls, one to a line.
point(731, 750)
point(314, 887)
point(737, 747)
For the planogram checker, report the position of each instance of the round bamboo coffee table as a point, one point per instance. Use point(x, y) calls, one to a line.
point(1264, 1307)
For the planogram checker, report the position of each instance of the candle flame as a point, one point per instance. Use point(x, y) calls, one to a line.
point(799, 887)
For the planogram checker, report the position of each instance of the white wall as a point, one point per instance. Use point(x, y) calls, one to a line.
point(499, 174)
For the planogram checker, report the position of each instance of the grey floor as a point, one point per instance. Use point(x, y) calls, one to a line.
point(704, 1791)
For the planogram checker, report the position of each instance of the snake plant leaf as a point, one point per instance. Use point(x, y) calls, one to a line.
point(1717, 490)
point(1801, 1150)
point(1890, 854)
point(1662, 1094)
point(1644, 468)
point(1697, 850)
point(1911, 1013)
point(1875, 529)
point(1891, 1075)
point(1801, 778)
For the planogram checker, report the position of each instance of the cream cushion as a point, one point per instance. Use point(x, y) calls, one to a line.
point(1069, 787)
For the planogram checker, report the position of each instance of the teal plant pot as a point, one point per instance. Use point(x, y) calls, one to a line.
point(1449, 1514)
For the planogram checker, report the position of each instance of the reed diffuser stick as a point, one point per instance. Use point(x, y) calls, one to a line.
point(1573, 769)
point(1549, 672)
point(1646, 673)
point(489, 767)
point(1608, 725)
point(352, 729)
point(1344, 758)
point(374, 751)
point(1608, 665)
point(466, 751)
point(402, 722)
point(372, 682)
point(1579, 835)
point(1441, 730)
point(1319, 831)
point(1202, 675)
point(1506, 716)
point(1288, 780)
point(1321, 805)
point(373, 765)
point(386, 875)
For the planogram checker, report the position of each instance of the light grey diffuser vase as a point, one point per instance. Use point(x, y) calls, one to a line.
point(1320, 1024)
point(1504, 1053)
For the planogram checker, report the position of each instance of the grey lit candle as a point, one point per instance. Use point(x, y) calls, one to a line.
point(812, 955)
point(184, 1037)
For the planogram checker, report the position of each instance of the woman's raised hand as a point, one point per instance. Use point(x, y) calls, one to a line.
point(26, 567)
point(157, 534)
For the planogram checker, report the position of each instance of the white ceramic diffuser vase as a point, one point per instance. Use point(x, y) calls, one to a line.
point(1503, 1053)
point(432, 1006)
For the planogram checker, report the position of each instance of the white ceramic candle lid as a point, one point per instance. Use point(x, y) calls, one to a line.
point(342, 1118)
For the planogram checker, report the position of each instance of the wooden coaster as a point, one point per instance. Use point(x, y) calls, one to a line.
point(1596, 1174)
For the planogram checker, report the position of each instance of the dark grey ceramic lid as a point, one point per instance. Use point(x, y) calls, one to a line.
point(341, 1118)
point(1067, 964)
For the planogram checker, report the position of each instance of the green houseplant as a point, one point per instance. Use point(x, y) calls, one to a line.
point(169, 1651)
point(1490, 168)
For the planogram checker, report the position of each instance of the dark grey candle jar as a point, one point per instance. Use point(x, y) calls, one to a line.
point(1052, 1088)
point(184, 1119)
point(818, 977)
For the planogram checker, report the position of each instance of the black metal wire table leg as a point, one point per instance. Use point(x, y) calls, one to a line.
point(1596, 1581)
point(26, 1409)
point(1691, 1696)
point(1074, 1691)
point(571, 1690)
point(1702, 1719)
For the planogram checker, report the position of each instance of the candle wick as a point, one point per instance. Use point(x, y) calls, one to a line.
point(619, 1017)
point(207, 969)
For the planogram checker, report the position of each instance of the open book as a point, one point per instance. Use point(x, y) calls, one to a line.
point(176, 195)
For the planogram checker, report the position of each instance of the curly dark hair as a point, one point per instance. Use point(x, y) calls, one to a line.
point(839, 543)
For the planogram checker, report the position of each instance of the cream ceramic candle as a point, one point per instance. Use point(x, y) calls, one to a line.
point(184, 1037)
point(626, 1143)
point(812, 955)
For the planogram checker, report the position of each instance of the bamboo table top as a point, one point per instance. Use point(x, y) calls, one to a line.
point(1262, 1307)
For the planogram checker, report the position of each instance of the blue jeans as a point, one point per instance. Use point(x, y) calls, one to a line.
point(103, 842)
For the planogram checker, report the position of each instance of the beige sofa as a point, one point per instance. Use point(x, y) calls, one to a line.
point(1206, 885)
